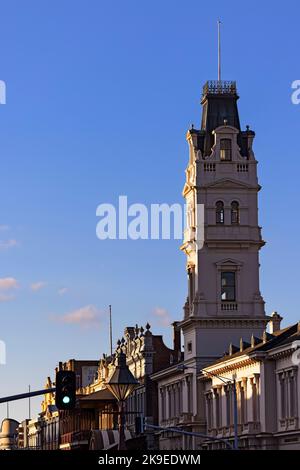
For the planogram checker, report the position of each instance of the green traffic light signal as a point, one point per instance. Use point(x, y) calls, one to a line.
point(65, 396)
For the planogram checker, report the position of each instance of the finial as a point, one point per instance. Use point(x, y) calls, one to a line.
point(148, 326)
point(225, 122)
point(247, 128)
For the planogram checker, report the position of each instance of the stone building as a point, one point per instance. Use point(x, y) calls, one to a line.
point(96, 408)
point(47, 427)
point(222, 242)
point(34, 434)
point(9, 434)
point(267, 378)
point(224, 304)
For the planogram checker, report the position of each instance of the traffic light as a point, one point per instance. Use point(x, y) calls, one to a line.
point(65, 396)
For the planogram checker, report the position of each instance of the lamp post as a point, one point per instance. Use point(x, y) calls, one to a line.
point(225, 380)
point(121, 384)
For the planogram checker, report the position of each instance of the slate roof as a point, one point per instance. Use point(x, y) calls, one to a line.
point(281, 337)
point(219, 102)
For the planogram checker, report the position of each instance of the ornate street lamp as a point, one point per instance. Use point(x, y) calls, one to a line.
point(121, 384)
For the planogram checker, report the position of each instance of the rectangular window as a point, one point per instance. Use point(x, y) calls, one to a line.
point(225, 150)
point(283, 385)
point(292, 397)
point(189, 396)
point(209, 409)
point(163, 404)
point(218, 398)
point(228, 286)
point(228, 406)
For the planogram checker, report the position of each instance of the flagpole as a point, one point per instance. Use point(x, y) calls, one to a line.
point(219, 50)
point(29, 404)
point(110, 331)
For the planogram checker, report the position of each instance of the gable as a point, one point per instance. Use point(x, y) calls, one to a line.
point(228, 262)
point(228, 183)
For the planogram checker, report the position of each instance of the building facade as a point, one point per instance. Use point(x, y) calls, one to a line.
point(9, 434)
point(94, 421)
point(266, 373)
point(226, 345)
point(222, 241)
point(224, 323)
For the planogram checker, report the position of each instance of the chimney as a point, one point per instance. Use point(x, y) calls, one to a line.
point(177, 339)
point(275, 322)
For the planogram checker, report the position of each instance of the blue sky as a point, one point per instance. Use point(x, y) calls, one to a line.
point(99, 97)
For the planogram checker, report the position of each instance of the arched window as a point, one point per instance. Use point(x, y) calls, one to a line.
point(235, 213)
point(225, 150)
point(219, 212)
point(191, 280)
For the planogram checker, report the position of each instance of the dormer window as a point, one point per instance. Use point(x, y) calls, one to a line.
point(225, 150)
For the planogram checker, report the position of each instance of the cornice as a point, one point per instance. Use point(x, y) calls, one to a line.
point(229, 183)
point(228, 322)
point(227, 366)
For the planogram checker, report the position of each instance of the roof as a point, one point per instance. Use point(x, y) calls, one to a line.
point(268, 342)
point(219, 104)
point(103, 394)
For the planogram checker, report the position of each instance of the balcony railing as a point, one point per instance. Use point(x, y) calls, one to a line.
point(185, 418)
point(219, 87)
point(229, 306)
point(288, 423)
point(77, 436)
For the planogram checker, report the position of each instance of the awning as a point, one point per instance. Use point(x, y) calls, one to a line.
point(103, 440)
point(103, 394)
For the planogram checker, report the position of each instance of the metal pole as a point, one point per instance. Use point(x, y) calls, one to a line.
point(219, 51)
point(122, 445)
point(189, 433)
point(235, 416)
point(110, 331)
point(29, 407)
point(26, 395)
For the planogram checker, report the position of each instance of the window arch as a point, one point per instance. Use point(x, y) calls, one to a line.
point(220, 212)
point(225, 150)
point(235, 213)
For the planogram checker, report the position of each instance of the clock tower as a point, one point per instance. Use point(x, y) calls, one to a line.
point(222, 238)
